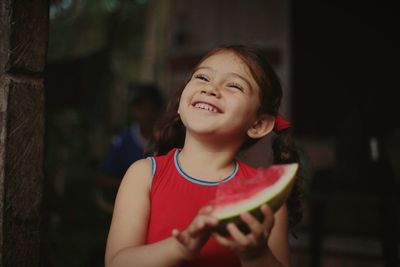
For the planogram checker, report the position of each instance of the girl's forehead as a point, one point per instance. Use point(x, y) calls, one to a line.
point(226, 61)
point(223, 56)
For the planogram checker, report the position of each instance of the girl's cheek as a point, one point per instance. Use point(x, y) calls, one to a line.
point(179, 107)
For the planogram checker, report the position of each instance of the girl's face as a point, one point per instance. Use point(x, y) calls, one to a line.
point(221, 99)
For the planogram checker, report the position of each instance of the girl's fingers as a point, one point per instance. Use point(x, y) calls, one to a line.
point(211, 221)
point(254, 241)
point(196, 227)
point(178, 235)
point(206, 210)
point(259, 230)
point(224, 241)
point(255, 226)
point(202, 223)
point(204, 219)
point(269, 217)
point(239, 236)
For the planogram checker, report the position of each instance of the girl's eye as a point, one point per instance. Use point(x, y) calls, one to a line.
point(201, 77)
point(236, 86)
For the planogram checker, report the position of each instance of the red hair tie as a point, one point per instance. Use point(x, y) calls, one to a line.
point(281, 123)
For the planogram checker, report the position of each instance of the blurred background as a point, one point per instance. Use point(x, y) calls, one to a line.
point(338, 66)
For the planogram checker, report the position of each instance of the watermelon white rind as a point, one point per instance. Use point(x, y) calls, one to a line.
point(274, 195)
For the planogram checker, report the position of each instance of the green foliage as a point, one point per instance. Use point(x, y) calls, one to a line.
point(80, 27)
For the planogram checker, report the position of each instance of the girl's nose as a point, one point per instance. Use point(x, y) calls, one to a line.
point(211, 90)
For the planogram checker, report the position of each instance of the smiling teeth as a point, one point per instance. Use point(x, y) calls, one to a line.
point(205, 107)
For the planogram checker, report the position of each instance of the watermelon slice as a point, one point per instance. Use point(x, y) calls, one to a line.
point(270, 185)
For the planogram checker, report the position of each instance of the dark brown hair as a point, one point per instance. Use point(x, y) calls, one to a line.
point(170, 132)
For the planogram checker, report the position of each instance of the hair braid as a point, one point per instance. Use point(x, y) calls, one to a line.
point(285, 152)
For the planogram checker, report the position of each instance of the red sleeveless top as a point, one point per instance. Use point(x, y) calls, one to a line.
point(176, 199)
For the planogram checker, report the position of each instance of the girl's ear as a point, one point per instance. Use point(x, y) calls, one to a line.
point(261, 127)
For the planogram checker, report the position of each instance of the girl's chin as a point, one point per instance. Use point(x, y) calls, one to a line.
point(212, 134)
point(202, 132)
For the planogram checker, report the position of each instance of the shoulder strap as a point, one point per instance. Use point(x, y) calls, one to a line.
point(153, 167)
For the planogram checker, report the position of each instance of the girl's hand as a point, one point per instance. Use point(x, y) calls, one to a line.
point(193, 238)
point(254, 244)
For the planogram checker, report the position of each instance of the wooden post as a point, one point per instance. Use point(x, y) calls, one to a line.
point(23, 48)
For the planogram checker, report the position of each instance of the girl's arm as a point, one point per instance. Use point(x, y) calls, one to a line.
point(127, 235)
point(126, 238)
point(266, 245)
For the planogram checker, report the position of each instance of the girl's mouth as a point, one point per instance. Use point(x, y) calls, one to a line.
point(206, 106)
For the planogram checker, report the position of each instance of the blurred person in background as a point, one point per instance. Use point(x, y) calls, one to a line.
point(127, 146)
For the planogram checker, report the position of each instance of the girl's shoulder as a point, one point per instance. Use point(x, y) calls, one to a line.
point(142, 171)
point(161, 161)
point(138, 174)
point(139, 166)
point(168, 155)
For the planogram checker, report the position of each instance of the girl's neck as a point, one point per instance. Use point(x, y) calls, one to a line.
point(218, 159)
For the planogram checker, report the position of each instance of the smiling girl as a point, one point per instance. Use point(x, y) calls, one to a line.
point(161, 216)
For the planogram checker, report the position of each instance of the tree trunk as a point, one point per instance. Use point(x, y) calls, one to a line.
point(23, 48)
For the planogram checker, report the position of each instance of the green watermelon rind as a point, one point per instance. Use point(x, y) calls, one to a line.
point(275, 196)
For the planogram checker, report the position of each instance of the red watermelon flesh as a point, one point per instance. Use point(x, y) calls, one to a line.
point(270, 185)
point(244, 187)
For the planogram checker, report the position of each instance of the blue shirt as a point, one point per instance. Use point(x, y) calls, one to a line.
point(127, 147)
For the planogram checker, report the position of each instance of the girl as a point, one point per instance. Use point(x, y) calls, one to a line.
point(161, 216)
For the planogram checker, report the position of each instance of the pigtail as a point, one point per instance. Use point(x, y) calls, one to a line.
point(285, 151)
point(169, 131)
